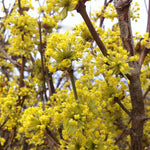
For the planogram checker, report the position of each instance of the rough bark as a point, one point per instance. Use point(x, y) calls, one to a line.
point(145, 50)
point(123, 13)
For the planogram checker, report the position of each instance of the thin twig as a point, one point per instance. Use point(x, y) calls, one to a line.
point(12, 61)
point(145, 94)
point(5, 9)
point(145, 50)
point(122, 106)
point(5, 121)
point(22, 72)
point(125, 132)
point(52, 137)
point(51, 83)
point(48, 82)
point(101, 16)
point(42, 62)
point(73, 83)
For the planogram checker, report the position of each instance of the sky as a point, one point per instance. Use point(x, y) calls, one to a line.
point(139, 26)
point(70, 21)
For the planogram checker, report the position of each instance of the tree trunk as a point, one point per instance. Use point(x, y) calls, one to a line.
point(137, 110)
point(137, 114)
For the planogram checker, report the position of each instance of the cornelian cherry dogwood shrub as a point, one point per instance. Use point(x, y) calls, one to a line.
point(60, 91)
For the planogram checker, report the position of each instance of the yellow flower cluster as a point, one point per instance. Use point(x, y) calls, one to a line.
point(62, 50)
point(8, 107)
point(82, 31)
point(116, 62)
point(134, 13)
point(84, 126)
point(23, 29)
point(2, 141)
point(34, 122)
point(61, 6)
point(110, 12)
point(88, 122)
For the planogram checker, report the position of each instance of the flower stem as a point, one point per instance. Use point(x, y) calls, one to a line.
point(73, 83)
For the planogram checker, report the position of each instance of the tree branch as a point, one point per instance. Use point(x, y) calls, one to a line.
point(81, 8)
point(101, 16)
point(12, 61)
point(5, 121)
point(52, 137)
point(125, 132)
point(122, 106)
point(73, 83)
point(136, 134)
point(42, 62)
point(145, 50)
point(144, 96)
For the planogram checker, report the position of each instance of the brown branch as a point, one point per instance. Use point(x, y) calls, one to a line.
point(12, 61)
point(42, 62)
point(22, 72)
point(52, 137)
point(20, 9)
point(23, 58)
point(145, 118)
point(123, 15)
point(145, 94)
point(51, 83)
point(145, 50)
point(48, 82)
point(101, 16)
point(21, 82)
point(59, 81)
point(122, 106)
point(5, 9)
point(70, 72)
point(122, 135)
point(81, 8)
point(125, 132)
point(5, 121)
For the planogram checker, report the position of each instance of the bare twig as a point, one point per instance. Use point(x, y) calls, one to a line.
point(73, 83)
point(5, 121)
point(42, 62)
point(145, 94)
point(122, 135)
point(22, 72)
point(12, 61)
point(145, 50)
point(101, 16)
point(52, 137)
point(122, 106)
point(5, 9)
point(51, 83)
point(125, 132)
point(48, 82)
point(82, 10)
